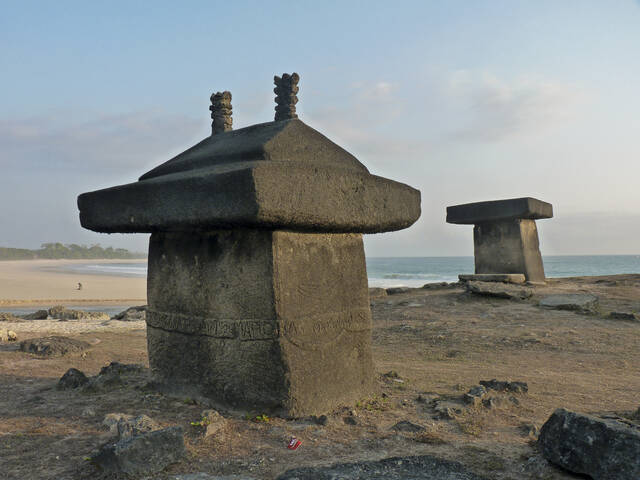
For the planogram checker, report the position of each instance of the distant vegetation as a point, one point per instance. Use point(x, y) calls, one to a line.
point(60, 251)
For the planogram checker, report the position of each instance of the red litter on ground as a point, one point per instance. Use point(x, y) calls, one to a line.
point(294, 443)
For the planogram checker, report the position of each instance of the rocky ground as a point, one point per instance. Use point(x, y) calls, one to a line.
point(431, 347)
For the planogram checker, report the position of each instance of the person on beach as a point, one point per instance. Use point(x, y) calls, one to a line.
point(79, 286)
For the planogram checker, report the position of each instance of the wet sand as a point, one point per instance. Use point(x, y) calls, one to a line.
point(43, 282)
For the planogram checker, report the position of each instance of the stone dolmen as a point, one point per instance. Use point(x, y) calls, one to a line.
point(257, 284)
point(505, 237)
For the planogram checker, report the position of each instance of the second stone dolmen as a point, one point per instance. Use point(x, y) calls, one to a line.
point(257, 285)
point(505, 237)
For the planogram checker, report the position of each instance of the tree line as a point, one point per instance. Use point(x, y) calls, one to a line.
point(70, 251)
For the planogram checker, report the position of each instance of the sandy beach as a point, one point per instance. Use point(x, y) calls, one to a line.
point(43, 282)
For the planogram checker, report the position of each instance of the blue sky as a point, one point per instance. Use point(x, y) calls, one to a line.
point(466, 101)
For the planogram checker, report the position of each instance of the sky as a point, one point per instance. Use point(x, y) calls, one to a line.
point(465, 100)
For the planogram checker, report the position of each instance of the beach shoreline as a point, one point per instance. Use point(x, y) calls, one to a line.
point(46, 282)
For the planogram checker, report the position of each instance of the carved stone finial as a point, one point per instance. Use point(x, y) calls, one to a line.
point(286, 99)
point(221, 112)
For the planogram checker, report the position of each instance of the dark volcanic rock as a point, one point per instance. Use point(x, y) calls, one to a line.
point(73, 378)
point(39, 315)
point(396, 290)
point(113, 375)
point(132, 314)
point(503, 386)
point(633, 317)
point(142, 454)
point(475, 395)
point(422, 467)
point(605, 449)
point(53, 346)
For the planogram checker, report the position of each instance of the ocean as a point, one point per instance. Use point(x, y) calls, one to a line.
point(416, 271)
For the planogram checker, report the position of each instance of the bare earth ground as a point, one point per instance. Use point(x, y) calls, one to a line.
point(440, 342)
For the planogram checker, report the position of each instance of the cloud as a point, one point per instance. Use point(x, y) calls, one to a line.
point(107, 143)
point(492, 109)
point(366, 120)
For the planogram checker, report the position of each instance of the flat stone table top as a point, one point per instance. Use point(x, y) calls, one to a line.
point(496, 210)
point(276, 175)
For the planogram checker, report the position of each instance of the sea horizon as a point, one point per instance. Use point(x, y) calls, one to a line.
point(416, 271)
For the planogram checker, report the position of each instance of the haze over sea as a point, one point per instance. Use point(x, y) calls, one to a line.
point(416, 271)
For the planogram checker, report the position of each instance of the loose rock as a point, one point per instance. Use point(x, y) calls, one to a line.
point(12, 336)
point(408, 427)
point(605, 449)
point(130, 427)
point(396, 290)
point(475, 395)
point(111, 420)
point(447, 409)
point(73, 378)
point(214, 421)
point(500, 290)
point(576, 302)
point(142, 454)
point(53, 346)
point(39, 315)
point(505, 386)
point(63, 313)
point(633, 317)
point(132, 314)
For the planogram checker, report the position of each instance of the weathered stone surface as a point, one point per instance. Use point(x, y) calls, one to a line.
point(508, 246)
point(494, 277)
point(286, 95)
point(261, 319)
point(500, 290)
point(272, 175)
point(221, 111)
point(498, 210)
point(53, 346)
point(132, 314)
point(142, 454)
point(604, 449)
point(505, 386)
point(577, 302)
point(73, 378)
point(424, 467)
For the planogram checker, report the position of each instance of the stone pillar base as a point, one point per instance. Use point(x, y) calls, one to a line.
point(508, 246)
point(260, 319)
